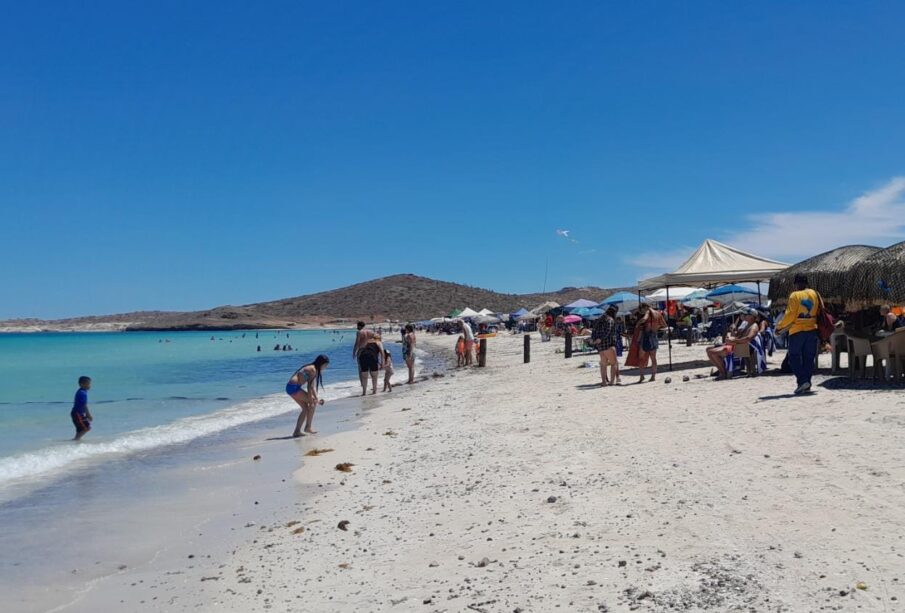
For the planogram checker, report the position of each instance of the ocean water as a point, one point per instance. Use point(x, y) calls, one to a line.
point(149, 390)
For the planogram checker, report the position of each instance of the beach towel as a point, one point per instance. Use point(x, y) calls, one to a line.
point(635, 356)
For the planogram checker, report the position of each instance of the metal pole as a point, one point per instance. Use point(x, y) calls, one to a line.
point(527, 348)
point(758, 293)
point(668, 330)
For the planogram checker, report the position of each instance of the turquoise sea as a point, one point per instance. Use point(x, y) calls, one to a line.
point(149, 390)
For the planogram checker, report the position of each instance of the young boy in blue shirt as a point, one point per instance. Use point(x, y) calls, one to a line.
point(81, 416)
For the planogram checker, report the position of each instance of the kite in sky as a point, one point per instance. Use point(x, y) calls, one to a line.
point(565, 235)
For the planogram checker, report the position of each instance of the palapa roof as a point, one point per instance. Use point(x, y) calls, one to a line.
point(877, 279)
point(830, 273)
point(714, 263)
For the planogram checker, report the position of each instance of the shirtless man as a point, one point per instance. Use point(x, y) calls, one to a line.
point(364, 335)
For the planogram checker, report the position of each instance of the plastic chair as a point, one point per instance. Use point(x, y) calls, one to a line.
point(858, 351)
point(839, 343)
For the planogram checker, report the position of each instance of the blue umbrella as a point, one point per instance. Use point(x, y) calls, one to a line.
point(624, 301)
point(732, 293)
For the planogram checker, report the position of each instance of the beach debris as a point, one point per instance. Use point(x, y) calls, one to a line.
point(433, 565)
point(122, 567)
point(399, 601)
point(210, 578)
point(344, 467)
point(551, 499)
point(483, 562)
point(438, 375)
point(386, 481)
point(686, 378)
point(345, 565)
point(389, 433)
point(316, 452)
point(861, 585)
point(343, 525)
point(667, 380)
point(250, 524)
point(367, 507)
point(622, 563)
point(294, 522)
point(257, 457)
point(298, 530)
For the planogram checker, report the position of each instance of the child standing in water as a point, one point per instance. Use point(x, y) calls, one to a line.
point(387, 371)
point(460, 351)
point(81, 416)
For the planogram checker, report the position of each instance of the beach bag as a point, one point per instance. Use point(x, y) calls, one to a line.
point(826, 324)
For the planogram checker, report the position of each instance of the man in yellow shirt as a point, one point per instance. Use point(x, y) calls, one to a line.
point(801, 322)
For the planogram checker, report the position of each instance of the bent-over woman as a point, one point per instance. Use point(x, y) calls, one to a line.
point(310, 375)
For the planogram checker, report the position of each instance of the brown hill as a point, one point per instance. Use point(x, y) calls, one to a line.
point(398, 297)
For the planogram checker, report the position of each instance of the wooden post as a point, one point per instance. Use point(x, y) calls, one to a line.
point(482, 353)
point(568, 345)
point(527, 348)
point(668, 330)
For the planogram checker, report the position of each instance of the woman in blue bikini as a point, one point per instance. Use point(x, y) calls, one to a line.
point(309, 374)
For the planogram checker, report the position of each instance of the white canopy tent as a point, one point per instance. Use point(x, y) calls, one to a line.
point(486, 312)
point(715, 263)
point(467, 312)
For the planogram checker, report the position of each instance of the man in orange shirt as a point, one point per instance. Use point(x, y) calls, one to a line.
point(801, 322)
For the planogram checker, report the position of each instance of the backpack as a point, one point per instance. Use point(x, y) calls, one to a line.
point(826, 324)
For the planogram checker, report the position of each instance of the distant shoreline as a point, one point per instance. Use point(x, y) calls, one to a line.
point(129, 327)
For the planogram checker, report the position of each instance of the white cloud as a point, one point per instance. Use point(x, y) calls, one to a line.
point(875, 218)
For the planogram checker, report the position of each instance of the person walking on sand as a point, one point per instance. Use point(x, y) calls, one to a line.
point(604, 337)
point(361, 339)
point(650, 323)
point(460, 351)
point(310, 375)
point(370, 361)
point(469, 341)
point(408, 351)
point(801, 322)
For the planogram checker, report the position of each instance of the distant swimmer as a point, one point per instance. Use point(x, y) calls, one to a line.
point(310, 375)
point(81, 416)
point(276, 347)
point(259, 348)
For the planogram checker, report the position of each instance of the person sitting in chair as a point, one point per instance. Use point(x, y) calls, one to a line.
point(747, 330)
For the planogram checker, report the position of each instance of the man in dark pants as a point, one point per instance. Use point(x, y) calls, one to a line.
point(801, 322)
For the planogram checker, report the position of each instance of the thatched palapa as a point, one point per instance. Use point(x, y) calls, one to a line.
point(830, 273)
point(878, 279)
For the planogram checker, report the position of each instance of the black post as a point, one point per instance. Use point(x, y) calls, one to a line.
point(758, 293)
point(527, 348)
point(482, 353)
point(568, 345)
point(668, 330)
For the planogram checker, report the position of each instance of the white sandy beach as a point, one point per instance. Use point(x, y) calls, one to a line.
point(527, 488)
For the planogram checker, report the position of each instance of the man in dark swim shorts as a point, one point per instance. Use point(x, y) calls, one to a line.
point(369, 361)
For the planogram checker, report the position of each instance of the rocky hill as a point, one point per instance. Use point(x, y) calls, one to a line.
point(398, 297)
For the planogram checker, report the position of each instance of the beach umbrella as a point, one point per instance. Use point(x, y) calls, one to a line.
point(732, 293)
point(581, 303)
point(520, 312)
point(486, 319)
point(624, 301)
point(571, 319)
point(454, 313)
point(528, 317)
point(675, 293)
point(697, 303)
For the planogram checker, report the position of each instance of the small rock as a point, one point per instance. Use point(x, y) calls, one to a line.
point(667, 380)
point(551, 499)
point(433, 565)
point(482, 562)
point(861, 585)
point(622, 563)
point(257, 457)
point(686, 379)
point(343, 525)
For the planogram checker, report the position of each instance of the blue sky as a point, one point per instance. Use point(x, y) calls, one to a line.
point(181, 155)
